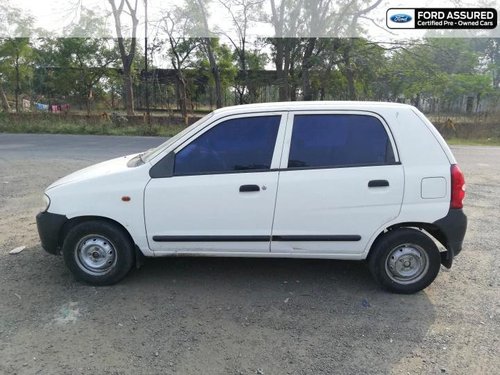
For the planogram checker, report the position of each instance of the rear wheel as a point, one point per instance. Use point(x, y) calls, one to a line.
point(98, 252)
point(405, 260)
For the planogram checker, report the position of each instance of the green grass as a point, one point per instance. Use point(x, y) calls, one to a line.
point(474, 141)
point(54, 125)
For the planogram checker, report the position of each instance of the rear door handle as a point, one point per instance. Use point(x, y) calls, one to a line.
point(249, 188)
point(378, 183)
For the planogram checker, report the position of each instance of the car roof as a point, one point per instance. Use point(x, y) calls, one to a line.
point(309, 105)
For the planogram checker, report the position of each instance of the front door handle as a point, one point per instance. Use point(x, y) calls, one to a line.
point(249, 188)
point(378, 183)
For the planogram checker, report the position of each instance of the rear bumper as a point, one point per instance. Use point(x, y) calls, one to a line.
point(49, 228)
point(453, 226)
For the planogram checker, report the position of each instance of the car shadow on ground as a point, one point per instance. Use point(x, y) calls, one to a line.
point(329, 315)
point(321, 315)
point(252, 270)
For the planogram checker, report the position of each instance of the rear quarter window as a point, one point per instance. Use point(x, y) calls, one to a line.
point(331, 140)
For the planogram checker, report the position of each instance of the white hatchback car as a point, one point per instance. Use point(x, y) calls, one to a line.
point(333, 180)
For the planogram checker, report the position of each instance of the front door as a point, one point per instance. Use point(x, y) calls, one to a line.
point(222, 193)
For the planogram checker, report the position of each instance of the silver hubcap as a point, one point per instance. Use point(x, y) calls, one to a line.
point(407, 263)
point(95, 254)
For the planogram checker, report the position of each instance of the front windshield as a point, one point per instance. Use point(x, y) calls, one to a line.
point(153, 152)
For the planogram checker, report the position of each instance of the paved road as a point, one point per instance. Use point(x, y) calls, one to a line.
point(236, 316)
point(72, 147)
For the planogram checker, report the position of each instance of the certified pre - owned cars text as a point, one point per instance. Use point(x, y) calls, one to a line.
point(448, 18)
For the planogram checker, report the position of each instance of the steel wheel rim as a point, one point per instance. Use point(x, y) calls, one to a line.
point(95, 254)
point(407, 263)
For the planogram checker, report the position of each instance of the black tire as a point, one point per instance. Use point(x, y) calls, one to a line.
point(404, 260)
point(98, 252)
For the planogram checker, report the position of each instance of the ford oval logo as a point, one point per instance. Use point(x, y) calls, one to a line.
point(401, 18)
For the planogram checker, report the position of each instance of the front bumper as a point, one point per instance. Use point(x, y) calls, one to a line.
point(453, 227)
point(49, 229)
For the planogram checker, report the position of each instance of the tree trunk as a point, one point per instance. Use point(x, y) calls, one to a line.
point(253, 93)
point(293, 93)
point(282, 63)
point(281, 15)
point(278, 62)
point(292, 86)
point(128, 89)
point(306, 66)
point(286, 70)
point(183, 97)
point(211, 57)
point(88, 101)
point(127, 57)
point(351, 87)
point(239, 93)
point(243, 64)
point(18, 86)
point(349, 72)
point(416, 103)
point(214, 68)
point(3, 99)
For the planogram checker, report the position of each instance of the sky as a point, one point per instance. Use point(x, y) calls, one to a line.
point(54, 15)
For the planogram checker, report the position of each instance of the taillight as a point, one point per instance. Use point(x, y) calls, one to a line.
point(457, 187)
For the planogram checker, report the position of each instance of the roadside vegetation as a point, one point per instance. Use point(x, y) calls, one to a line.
point(473, 142)
point(81, 85)
point(457, 130)
point(474, 129)
point(53, 124)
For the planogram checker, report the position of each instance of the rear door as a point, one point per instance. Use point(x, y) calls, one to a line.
point(221, 195)
point(340, 182)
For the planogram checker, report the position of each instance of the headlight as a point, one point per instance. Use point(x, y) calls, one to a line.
point(46, 203)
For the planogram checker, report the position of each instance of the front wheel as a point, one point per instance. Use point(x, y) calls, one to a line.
point(98, 252)
point(405, 260)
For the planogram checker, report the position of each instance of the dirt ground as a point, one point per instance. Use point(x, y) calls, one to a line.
point(236, 316)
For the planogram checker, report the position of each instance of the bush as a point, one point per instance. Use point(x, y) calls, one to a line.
point(72, 124)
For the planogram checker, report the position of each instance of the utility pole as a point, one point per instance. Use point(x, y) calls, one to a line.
point(146, 74)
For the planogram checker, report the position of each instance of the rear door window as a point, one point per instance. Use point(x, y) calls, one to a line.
point(339, 140)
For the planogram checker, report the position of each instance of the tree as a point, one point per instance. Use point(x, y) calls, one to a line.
point(84, 62)
point(127, 47)
point(493, 56)
point(15, 58)
point(243, 13)
point(423, 70)
point(15, 52)
point(208, 45)
point(489, 51)
point(285, 21)
point(412, 73)
point(361, 63)
point(256, 61)
point(463, 84)
point(321, 16)
point(224, 59)
point(177, 25)
point(300, 26)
